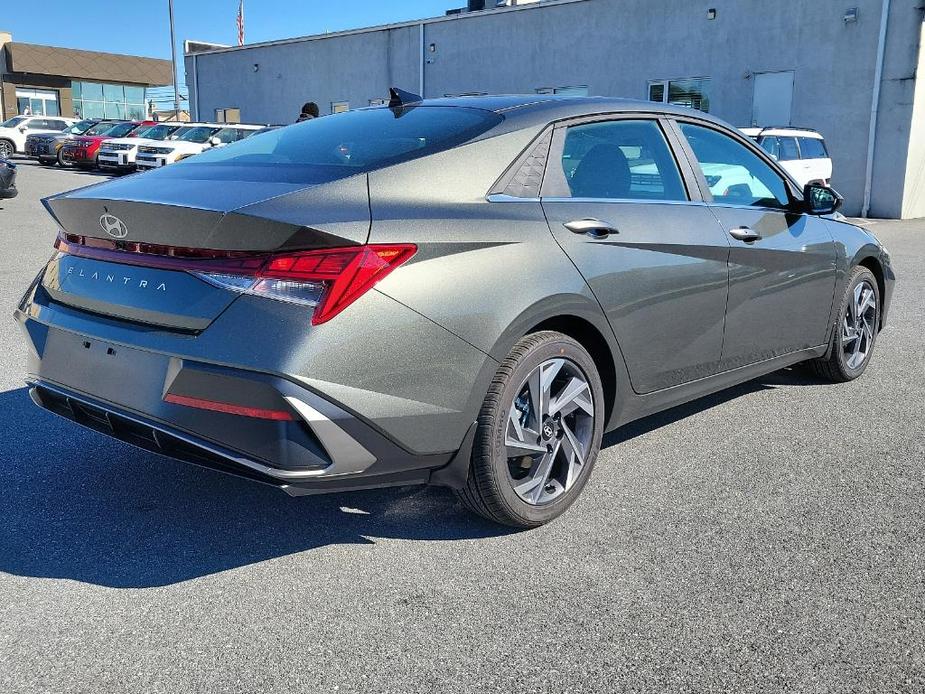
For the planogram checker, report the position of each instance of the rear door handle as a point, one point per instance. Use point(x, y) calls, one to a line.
point(594, 228)
point(745, 234)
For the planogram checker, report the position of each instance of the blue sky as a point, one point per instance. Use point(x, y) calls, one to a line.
point(206, 20)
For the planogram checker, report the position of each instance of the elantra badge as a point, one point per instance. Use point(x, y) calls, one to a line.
point(113, 226)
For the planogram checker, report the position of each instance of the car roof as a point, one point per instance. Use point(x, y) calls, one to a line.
point(527, 109)
point(785, 130)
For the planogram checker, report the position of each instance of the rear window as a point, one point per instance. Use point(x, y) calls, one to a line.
point(813, 148)
point(337, 146)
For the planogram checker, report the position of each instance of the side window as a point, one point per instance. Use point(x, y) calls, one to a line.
point(788, 149)
point(813, 148)
point(37, 124)
point(771, 145)
point(625, 159)
point(735, 174)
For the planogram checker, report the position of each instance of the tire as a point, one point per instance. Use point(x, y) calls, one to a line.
point(63, 164)
point(853, 339)
point(7, 149)
point(513, 490)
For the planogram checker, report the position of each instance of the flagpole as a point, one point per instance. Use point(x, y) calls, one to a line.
point(173, 58)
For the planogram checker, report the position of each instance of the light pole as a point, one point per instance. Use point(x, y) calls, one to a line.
point(173, 58)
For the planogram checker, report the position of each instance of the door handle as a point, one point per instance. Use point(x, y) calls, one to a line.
point(594, 228)
point(745, 234)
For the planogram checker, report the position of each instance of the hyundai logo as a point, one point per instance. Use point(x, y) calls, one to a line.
point(113, 226)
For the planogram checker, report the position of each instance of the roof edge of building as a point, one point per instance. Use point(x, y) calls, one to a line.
point(385, 27)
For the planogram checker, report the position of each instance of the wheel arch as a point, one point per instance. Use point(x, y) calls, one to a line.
point(588, 336)
point(872, 263)
point(581, 318)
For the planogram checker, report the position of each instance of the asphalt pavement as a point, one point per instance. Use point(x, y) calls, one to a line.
point(769, 538)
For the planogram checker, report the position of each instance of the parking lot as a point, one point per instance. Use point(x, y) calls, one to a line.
point(767, 538)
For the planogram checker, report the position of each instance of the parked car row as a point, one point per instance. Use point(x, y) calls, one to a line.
point(114, 144)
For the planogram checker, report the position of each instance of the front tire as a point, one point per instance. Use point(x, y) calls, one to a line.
point(539, 433)
point(855, 331)
point(6, 149)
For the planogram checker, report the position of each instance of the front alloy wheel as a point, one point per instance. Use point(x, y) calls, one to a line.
point(855, 333)
point(6, 149)
point(538, 433)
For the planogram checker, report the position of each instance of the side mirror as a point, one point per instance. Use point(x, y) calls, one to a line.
point(820, 199)
point(214, 141)
point(22, 128)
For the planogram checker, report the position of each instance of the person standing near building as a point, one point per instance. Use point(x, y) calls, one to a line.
point(309, 111)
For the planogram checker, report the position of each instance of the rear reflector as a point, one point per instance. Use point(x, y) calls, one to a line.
point(329, 279)
point(228, 408)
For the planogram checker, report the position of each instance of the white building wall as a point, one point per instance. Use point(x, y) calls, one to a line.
point(615, 47)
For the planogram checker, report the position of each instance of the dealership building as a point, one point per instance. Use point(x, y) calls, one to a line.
point(53, 81)
point(847, 69)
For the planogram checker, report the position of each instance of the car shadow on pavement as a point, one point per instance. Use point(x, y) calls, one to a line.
point(75, 504)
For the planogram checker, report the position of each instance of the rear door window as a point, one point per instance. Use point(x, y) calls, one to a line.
point(620, 160)
point(813, 148)
point(788, 149)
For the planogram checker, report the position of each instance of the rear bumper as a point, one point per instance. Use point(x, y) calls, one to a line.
point(343, 430)
point(160, 437)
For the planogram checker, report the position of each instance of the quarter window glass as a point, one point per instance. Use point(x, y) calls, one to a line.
point(735, 174)
point(620, 160)
point(812, 148)
point(788, 149)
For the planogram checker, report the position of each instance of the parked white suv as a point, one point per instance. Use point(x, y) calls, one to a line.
point(120, 153)
point(192, 140)
point(13, 132)
point(801, 152)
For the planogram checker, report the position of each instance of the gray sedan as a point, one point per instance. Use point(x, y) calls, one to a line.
point(466, 292)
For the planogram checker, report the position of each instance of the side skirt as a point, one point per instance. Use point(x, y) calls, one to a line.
point(639, 406)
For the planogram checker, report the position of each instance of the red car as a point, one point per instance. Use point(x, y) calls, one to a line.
point(82, 149)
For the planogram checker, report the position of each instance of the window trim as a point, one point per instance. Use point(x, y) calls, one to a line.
point(793, 190)
point(556, 187)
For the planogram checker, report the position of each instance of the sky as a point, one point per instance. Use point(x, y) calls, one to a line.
point(204, 20)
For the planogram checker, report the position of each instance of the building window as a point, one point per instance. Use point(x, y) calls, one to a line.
point(227, 115)
point(693, 92)
point(98, 100)
point(340, 106)
point(564, 91)
point(37, 102)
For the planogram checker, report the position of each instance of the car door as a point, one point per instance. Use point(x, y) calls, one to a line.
point(618, 203)
point(781, 261)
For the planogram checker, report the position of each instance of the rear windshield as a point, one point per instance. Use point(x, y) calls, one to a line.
point(337, 146)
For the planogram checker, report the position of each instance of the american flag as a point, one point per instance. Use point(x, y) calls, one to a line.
point(240, 23)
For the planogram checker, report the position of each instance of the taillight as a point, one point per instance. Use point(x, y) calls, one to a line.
point(330, 279)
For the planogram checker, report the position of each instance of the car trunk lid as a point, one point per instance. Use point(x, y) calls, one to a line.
point(130, 251)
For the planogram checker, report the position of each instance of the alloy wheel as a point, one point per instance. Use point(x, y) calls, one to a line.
point(549, 431)
point(859, 325)
point(6, 150)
